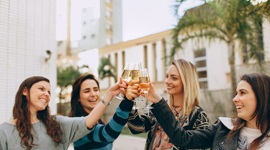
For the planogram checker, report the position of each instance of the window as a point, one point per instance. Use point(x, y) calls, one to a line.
point(201, 65)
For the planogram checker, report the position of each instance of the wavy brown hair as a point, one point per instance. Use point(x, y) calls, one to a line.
point(21, 114)
point(260, 84)
point(77, 109)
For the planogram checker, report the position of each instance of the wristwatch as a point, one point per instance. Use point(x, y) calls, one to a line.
point(105, 103)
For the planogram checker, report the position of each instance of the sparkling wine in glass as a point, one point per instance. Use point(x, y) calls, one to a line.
point(135, 74)
point(144, 86)
point(125, 76)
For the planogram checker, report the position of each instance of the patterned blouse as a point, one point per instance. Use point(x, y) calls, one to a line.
point(157, 138)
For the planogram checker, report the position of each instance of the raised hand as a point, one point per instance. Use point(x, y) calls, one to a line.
point(119, 87)
point(132, 90)
point(153, 95)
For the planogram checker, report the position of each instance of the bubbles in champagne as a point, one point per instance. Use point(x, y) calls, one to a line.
point(135, 74)
point(126, 75)
point(144, 83)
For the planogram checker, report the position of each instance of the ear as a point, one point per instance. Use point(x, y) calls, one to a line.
point(25, 91)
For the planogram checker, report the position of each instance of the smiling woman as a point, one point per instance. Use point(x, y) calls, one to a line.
point(250, 130)
point(84, 98)
point(32, 125)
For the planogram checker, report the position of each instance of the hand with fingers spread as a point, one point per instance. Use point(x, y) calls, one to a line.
point(132, 90)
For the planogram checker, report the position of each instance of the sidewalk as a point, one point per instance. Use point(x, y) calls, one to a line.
point(124, 142)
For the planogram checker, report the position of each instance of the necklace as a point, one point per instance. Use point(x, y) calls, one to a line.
point(176, 110)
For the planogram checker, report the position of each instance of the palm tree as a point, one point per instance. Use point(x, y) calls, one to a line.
point(65, 77)
point(106, 69)
point(230, 21)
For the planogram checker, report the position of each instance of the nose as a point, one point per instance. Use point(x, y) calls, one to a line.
point(92, 93)
point(167, 80)
point(235, 99)
point(47, 93)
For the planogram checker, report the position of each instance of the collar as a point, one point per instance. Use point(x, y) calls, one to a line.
point(227, 122)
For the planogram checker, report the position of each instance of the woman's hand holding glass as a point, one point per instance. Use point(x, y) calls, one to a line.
point(132, 90)
point(144, 86)
point(119, 87)
point(125, 77)
point(152, 95)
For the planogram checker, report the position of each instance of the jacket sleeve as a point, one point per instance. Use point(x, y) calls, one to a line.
point(140, 123)
point(110, 131)
point(200, 138)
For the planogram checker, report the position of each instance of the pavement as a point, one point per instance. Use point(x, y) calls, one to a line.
point(125, 142)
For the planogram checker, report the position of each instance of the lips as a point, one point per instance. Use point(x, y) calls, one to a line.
point(44, 100)
point(168, 88)
point(239, 107)
point(92, 100)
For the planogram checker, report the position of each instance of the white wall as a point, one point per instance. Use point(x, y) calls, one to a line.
point(27, 30)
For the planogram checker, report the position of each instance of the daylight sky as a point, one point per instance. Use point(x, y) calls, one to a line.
point(140, 17)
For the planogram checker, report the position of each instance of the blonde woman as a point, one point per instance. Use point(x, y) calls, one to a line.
point(183, 88)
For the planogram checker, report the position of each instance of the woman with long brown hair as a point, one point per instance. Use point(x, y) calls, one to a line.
point(32, 125)
point(84, 98)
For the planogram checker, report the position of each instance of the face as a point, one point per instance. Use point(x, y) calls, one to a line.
point(40, 94)
point(245, 100)
point(173, 81)
point(89, 95)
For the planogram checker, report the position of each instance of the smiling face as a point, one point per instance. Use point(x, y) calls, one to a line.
point(89, 95)
point(173, 81)
point(245, 101)
point(39, 96)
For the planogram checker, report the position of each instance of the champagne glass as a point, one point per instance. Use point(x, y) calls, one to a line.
point(125, 76)
point(135, 75)
point(144, 86)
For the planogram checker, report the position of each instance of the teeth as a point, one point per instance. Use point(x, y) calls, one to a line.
point(238, 107)
point(93, 100)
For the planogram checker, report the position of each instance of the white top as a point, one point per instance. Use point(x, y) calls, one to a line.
point(246, 134)
point(251, 134)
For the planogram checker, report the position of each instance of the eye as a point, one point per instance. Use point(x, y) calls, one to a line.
point(166, 76)
point(174, 78)
point(86, 91)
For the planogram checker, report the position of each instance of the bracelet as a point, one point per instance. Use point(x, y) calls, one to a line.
point(105, 103)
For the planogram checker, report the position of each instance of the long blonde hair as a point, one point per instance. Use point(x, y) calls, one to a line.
point(189, 77)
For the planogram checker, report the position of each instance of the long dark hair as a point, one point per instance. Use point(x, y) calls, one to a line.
point(22, 115)
point(76, 107)
point(260, 84)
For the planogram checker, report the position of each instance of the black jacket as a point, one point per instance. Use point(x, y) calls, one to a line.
point(212, 137)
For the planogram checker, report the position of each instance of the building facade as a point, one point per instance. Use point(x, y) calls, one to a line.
point(210, 59)
point(27, 48)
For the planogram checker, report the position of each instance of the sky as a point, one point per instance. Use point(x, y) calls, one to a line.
point(145, 17)
point(140, 17)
